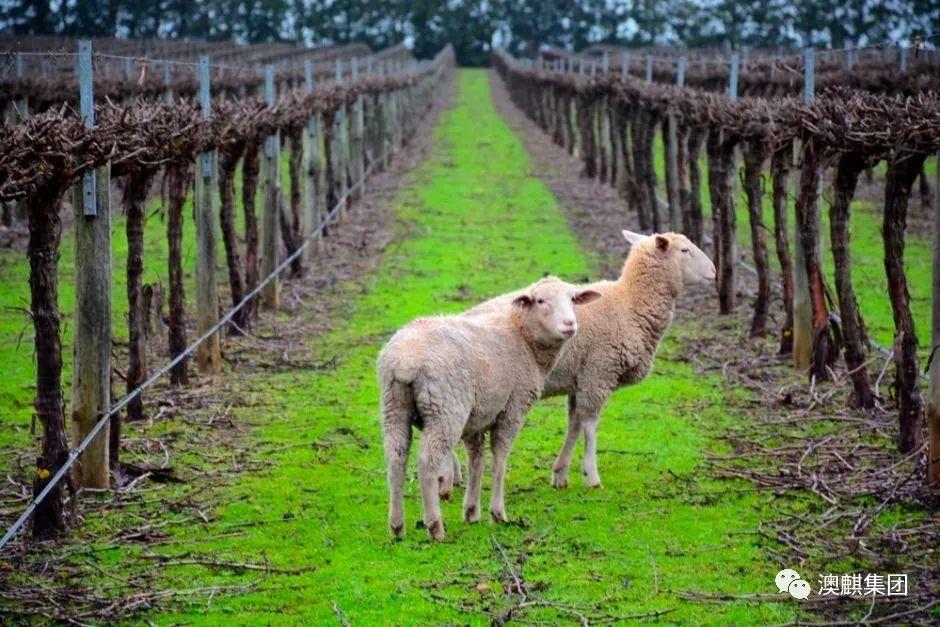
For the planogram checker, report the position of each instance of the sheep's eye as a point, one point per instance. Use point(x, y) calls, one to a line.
point(685, 250)
point(540, 301)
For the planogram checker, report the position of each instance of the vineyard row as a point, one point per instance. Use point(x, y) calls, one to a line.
point(611, 121)
point(336, 134)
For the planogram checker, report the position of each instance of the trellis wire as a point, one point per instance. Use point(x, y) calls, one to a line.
point(225, 319)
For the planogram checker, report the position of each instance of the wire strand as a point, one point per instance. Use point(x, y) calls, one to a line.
point(225, 319)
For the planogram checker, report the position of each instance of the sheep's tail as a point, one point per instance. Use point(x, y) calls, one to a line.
point(398, 414)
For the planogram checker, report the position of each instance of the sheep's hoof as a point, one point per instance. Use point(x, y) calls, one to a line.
point(397, 529)
point(471, 514)
point(560, 481)
point(436, 530)
point(592, 479)
point(445, 487)
point(499, 517)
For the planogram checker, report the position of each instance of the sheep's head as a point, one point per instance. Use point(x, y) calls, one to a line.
point(692, 262)
point(549, 309)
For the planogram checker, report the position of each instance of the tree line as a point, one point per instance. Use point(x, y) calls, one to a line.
point(474, 27)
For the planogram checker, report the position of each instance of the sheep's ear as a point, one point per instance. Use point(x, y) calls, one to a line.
point(632, 237)
point(662, 242)
point(523, 302)
point(585, 296)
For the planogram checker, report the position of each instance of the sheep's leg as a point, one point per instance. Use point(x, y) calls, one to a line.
point(501, 439)
point(449, 476)
point(563, 461)
point(396, 430)
point(471, 499)
point(458, 475)
point(445, 479)
point(589, 419)
point(436, 444)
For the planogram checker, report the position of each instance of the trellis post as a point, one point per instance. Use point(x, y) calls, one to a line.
point(733, 77)
point(19, 110)
point(270, 224)
point(933, 387)
point(727, 263)
point(356, 150)
point(672, 159)
point(310, 168)
point(625, 64)
point(339, 147)
point(20, 105)
point(167, 85)
point(649, 69)
point(802, 308)
point(209, 353)
point(91, 367)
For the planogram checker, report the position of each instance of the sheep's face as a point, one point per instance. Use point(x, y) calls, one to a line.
point(696, 266)
point(692, 261)
point(549, 307)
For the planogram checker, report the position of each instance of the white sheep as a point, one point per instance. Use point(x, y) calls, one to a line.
point(618, 336)
point(458, 378)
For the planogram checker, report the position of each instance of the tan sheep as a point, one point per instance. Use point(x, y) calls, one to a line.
point(459, 378)
point(618, 336)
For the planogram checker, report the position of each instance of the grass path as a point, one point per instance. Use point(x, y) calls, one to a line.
point(474, 221)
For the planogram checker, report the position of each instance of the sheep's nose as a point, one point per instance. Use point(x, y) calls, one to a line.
point(569, 327)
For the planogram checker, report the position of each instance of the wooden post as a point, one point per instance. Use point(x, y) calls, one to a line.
point(167, 85)
point(91, 367)
point(649, 69)
point(933, 387)
point(733, 77)
point(727, 216)
point(310, 169)
point(385, 124)
point(356, 151)
point(625, 64)
point(270, 222)
point(339, 149)
point(19, 110)
point(399, 97)
point(209, 353)
point(802, 308)
point(672, 160)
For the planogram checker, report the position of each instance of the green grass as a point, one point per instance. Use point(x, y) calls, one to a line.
point(16, 332)
point(474, 222)
point(867, 248)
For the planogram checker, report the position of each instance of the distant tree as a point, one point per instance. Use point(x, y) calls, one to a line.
point(522, 26)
